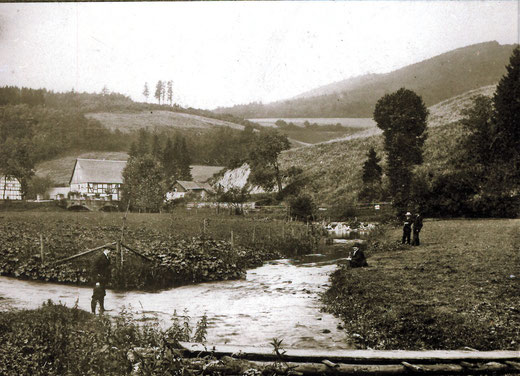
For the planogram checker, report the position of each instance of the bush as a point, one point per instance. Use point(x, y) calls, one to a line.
point(302, 207)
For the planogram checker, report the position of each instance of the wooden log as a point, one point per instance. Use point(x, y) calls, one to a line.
point(136, 252)
point(84, 253)
point(356, 356)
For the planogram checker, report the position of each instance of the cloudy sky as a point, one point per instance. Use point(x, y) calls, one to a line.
point(225, 53)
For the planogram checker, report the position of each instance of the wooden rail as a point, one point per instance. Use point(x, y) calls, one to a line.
point(368, 362)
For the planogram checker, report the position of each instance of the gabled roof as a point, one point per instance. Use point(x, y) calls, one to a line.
point(194, 186)
point(98, 171)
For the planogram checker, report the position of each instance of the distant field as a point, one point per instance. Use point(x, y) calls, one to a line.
point(60, 169)
point(127, 122)
point(310, 136)
point(346, 122)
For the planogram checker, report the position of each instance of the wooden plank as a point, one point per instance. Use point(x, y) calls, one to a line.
point(84, 253)
point(354, 356)
point(136, 252)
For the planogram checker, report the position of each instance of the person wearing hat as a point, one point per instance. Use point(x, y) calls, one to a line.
point(101, 269)
point(357, 259)
point(417, 226)
point(407, 228)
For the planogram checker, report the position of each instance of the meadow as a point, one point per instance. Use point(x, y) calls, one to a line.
point(458, 288)
point(346, 122)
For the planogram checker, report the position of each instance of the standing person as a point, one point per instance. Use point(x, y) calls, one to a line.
point(98, 296)
point(407, 228)
point(101, 269)
point(417, 226)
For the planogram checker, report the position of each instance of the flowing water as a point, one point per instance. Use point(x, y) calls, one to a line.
point(279, 299)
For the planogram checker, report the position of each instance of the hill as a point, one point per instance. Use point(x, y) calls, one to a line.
point(334, 168)
point(59, 170)
point(435, 79)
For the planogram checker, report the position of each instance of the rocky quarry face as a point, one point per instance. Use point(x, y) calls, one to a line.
point(237, 178)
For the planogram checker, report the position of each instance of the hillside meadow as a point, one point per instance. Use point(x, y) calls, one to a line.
point(156, 119)
point(334, 169)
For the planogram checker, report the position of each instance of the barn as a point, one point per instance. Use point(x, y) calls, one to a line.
point(10, 189)
point(182, 187)
point(97, 179)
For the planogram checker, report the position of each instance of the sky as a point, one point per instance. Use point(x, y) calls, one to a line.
point(227, 53)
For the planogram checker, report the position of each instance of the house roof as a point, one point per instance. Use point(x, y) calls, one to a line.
point(194, 186)
point(98, 171)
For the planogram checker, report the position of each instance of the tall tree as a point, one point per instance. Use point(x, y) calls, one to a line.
point(263, 159)
point(372, 173)
point(159, 91)
point(168, 161)
point(402, 117)
point(170, 92)
point(182, 157)
point(146, 91)
point(143, 184)
point(506, 144)
point(143, 142)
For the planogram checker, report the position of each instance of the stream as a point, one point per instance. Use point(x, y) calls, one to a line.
point(279, 299)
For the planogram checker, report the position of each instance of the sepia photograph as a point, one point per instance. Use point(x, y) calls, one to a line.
point(260, 188)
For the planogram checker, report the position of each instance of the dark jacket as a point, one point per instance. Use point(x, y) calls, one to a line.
point(101, 269)
point(417, 223)
point(98, 293)
point(358, 259)
point(407, 227)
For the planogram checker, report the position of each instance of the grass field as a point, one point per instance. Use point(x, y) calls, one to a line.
point(127, 122)
point(311, 136)
point(459, 288)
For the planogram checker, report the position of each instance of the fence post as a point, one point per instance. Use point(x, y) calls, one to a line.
point(119, 249)
point(41, 248)
point(232, 240)
point(254, 230)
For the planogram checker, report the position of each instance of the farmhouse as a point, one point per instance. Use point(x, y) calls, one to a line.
point(97, 179)
point(181, 188)
point(10, 189)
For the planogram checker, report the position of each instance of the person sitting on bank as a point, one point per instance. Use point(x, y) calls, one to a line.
point(357, 259)
point(407, 228)
point(98, 297)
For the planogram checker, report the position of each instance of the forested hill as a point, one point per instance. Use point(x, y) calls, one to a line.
point(436, 79)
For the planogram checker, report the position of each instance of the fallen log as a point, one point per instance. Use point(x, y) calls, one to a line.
point(353, 356)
